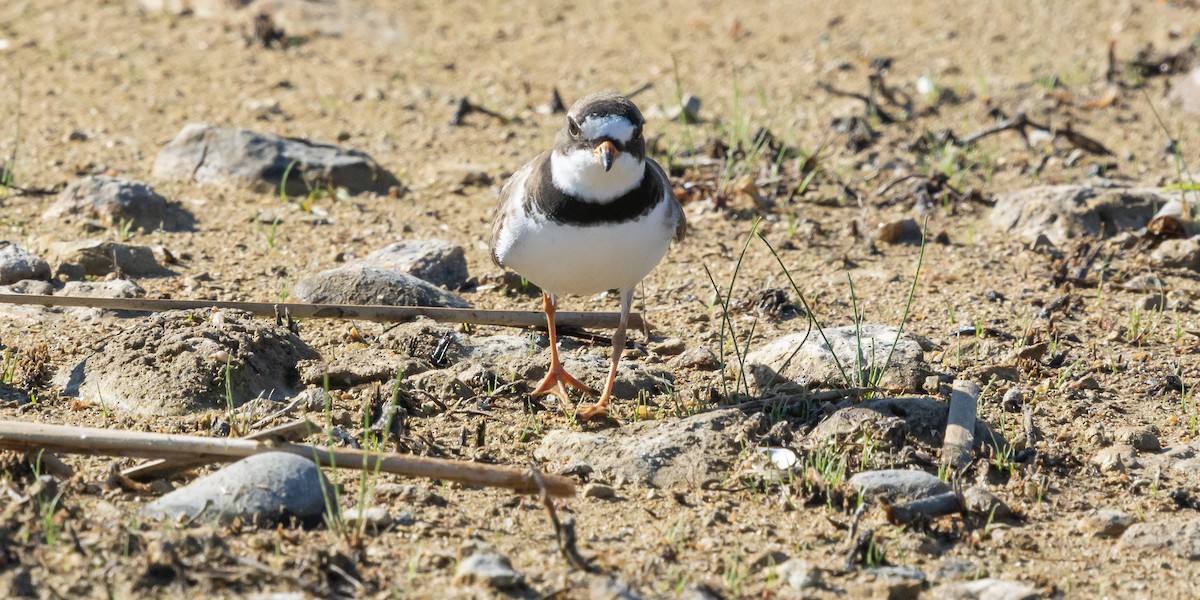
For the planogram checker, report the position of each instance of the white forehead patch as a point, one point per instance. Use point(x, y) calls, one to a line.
point(613, 127)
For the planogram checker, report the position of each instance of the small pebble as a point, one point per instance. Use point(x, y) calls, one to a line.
point(668, 347)
point(1106, 523)
point(598, 490)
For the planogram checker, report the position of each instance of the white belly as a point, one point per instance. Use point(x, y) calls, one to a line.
point(566, 259)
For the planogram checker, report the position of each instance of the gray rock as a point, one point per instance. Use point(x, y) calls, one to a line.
point(607, 587)
point(699, 358)
point(1178, 254)
point(1107, 523)
point(174, 363)
point(986, 589)
point(1182, 540)
point(360, 284)
point(481, 564)
point(668, 347)
point(372, 518)
point(900, 581)
point(1066, 212)
point(598, 490)
point(17, 264)
point(806, 360)
point(29, 286)
point(897, 484)
point(262, 489)
point(980, 501)
point(1143, 439)
point(799, 575)
point(688, 110)
point(1186, 91)
point(656, 453)
point(104, 202)
point(437, 261)
point(895, 422)
point(1116, 458)
point(116, 288)
point(261, 161)
point(97, 258)
point(632, 378)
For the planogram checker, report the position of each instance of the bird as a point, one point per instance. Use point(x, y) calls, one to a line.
point(591, 214)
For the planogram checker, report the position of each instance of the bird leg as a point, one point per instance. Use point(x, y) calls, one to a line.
point(557, 379)
point(600, 408)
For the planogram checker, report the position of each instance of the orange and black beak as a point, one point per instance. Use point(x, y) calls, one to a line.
point(606, 153)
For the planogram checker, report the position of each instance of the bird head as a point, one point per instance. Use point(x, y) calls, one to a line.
point(601, 148)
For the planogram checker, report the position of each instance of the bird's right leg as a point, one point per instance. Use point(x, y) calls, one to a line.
point(557, 379)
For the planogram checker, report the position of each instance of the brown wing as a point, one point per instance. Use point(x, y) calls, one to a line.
point(675, 213)
point(512, 202)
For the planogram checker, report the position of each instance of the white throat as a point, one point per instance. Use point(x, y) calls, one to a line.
point(578, 174)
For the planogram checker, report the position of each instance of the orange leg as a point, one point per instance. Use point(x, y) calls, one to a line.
point(600, 408)
point(557, 379)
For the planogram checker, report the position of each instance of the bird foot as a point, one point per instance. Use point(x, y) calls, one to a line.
point(556, 381)
point(592, 411)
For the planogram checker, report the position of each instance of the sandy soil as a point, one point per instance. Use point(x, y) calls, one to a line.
point(128, 79)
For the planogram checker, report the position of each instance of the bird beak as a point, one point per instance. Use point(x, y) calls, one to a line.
point(606, 153)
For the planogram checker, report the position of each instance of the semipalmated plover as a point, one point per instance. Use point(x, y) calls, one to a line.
point(590, 215)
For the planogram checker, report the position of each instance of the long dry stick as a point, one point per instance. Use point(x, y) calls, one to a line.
point(22, 436)
point(376, 313)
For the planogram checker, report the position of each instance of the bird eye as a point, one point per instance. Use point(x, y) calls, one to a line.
point(572, 127)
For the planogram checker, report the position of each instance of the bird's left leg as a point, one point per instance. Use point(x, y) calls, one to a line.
point(600, 408)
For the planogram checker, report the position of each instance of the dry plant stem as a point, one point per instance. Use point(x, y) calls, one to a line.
point(923, 508)
point(564, 532)
point(957, 450)
point(154, 469)
point(22, 437)
point(375, 313)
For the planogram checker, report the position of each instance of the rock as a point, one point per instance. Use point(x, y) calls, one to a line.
point(1146, 282)
point(896, 422)
point(1143, 439)
point(1066, 212)
point(1153, 302)
point(262, 489)
point(980, 501)
point(442, 385)
point(1014, 400)
point(116, 288)
point(1182, 540)
point(806, 360)
point(373, 518)
point(106, 202)
point(174, 362)
point(17, 264)
point(437, 261)
point(898, 582)
point(986, 589)
point(897, 484)
point(260, 161)
point(481, 564)
point(688, 110)
point(598, 490)
point(1178, 254)
point(668, 347)
point(632, 378)
point(799, 575)
point(360, 284)
point(1186, 91)
point(1107, 523)
point(607, 587)
point(408, 493)
point(655, 453)
point(698, 358)
point(29, 286)
point(904, 231)
point(1116, 458)
point(958, 568)
point(97, 258)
